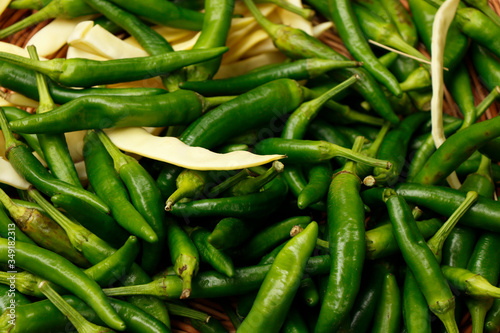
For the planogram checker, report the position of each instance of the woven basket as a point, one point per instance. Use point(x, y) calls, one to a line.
point(179, 325)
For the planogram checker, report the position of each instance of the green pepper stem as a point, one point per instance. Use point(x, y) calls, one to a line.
point(51, 10)
point(14, 209)
point(437, 241)
point(46, 102)
point(150, 289)
point(323, 98)
point(10, 141)
point(51, 68)
point(305, 13)
point(184, 311)
point(76, 233)
point(254, 184)
point(333, 150)
point(350, 166)
point(270, 27)
point(233, 317)
point(189, 184)
point(211, 102)
point(228, 183)
point(448, 318)
point(487, 101)
point(80, 323)
point(119, 158)
point(484, 168)
point(418, 79)
point(372, 150)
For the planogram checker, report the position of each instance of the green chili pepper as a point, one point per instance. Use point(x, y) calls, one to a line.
point(53, 267)
point(319, 177)
point(455, 150)
point(145, 196)
point(80, 323)
point(84, 72)
point(298, 45)
point(190, 183)
point(402, 19)
point(55, 8)
point(418, 79)
point(388, 313)
point(31, 139)
point(54, 147)
point(230, 232)
point(250, 205)
point(492, 321)
point(281, 283)
point(473, 284)
point(179, 107)
point(33, 171)
point(108, 185)
point(372, 150)
point(219, 260)
point(10, 300)
point(268, 238)
point(421, 261)
point(294, 322)
point(310, 151)
point(43, 317)
point(322, 130)
point(41, 229)
point(28, 4)
point(297, 70)
point(23, 81)
point(458, 247)
point(308, 292)
point(26, 283)
point(165, 13)
point(461, 91)
point(151, 41)
point(347, 246)
point(254, 184)
point(8, 229)
point(305, 13)
point(214, 33)
point(184, 255)
point(486, 65)
point(456, 43)
point(395, 146)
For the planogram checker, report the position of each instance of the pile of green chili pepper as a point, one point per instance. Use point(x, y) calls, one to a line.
point(359, 227)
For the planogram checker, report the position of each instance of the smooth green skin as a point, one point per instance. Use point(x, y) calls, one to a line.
point(184, 255)
point(444, 201)
point(491, 150)
point(56, 8)
point(402, 19)
point(43, 317)
point(216, 24)
point(486, 65)
point(492, 320)
point(420, 259)
point(479, 28)
point(219, 260)
point(297, 44)
point(107, 184)
point(231, 232)
point(482, 262)
point(425, 149)
point(461, 91)
point(251, 205)
point(23, 81)
point(165, 13)
point(265, 240)
point(281, 284)
point(479, 183)
point(294, 322)
point(115, 266)
point(8, 229)
point(346, 225)
point(298, 70)
point(96, 250)
point(349, 30)
point(7, 297)
point(258, 107)
point(146, 198)
point(368, 298)
point(394, 148)
point(322, 130)
point(44, 232)
point(458, 247)
point(176, 108)
point(388, 313)
point(380, 241)
point(30, 139)
point(473, 285)
point(308, 292)
point(59, 270)
point(211, 284)
point(213, 326)
point(28, 4)
point(35, 173)
point(456, 43)
point(79, 72)
point(319, 177)
point(415, 309)
point(103, 225)
point(190, 183)
point(456, 150)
